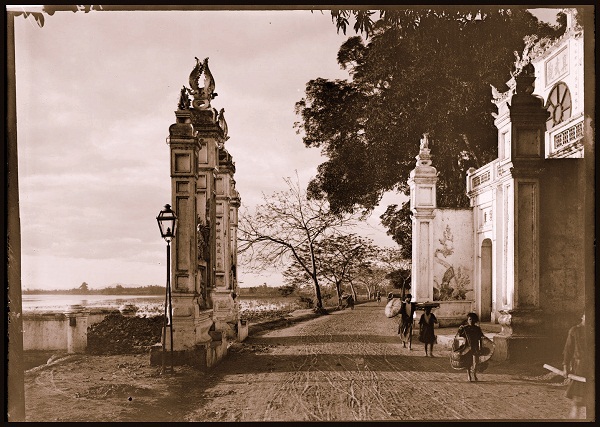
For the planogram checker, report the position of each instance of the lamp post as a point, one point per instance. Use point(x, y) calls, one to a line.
point(167, 224)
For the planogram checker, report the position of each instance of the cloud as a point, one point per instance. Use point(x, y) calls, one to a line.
point(96, 94)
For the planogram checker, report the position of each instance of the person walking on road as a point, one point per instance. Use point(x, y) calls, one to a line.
point(574, 355)
point(426, 330)
point(473, 336)
point(378, 296)
point(405, 329)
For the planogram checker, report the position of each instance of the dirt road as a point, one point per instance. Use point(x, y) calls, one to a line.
point(347, 365)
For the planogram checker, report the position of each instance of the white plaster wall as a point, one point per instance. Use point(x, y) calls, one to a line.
point(452, 255)
point(45, 332)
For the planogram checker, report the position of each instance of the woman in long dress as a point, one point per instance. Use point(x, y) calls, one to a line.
point(407, 311)
point(426, 330)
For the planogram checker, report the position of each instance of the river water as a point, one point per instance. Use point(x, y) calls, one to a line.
point(60, 302)
point(147, 304)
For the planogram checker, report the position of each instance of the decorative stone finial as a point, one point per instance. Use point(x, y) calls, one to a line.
point(424, 142)
point(202, 96)
point(184, 99)
point(525, 80)
point(424, 158)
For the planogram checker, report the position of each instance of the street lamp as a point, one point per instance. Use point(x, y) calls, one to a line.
point(167, 224)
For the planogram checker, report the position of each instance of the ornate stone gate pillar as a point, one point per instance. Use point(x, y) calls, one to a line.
point(223, 293)
point(423, 202)
point(200, 169)
point(520, 315)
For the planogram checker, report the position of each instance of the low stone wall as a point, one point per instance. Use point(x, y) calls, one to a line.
point(60, 331)
point(45, 331)
point(452, 313)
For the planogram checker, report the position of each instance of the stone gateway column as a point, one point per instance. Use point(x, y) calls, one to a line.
point(423, 202)
point(203, 190)
point(520, 314)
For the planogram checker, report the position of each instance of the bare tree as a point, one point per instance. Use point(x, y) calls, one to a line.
point(341, 259)
point(398, 269)
point(286, 228)
point(372, 277)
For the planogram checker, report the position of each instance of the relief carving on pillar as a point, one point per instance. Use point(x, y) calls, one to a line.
point(223, 123)
point(203, 240)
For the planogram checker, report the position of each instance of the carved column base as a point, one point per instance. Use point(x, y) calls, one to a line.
point(226, 313)
point(522, 335)
point(202, 325)
point(202, 356)
point(190, 330)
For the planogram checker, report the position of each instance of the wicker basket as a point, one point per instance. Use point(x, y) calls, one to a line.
point(458, 360)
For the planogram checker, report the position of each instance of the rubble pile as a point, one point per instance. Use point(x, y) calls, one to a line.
point(118, 334)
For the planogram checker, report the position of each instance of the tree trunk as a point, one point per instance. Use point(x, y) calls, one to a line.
point(353, 292)
point(319, 308)
point(319, 305)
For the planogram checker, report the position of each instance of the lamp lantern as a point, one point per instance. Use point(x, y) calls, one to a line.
point(167, 223)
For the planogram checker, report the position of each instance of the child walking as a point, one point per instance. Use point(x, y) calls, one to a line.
point(426, 331)
point(473, 335)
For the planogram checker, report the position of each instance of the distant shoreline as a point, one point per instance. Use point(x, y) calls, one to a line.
point(111, 290)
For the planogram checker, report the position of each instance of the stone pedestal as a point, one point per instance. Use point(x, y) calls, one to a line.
point(201, 356)
point(194, 343)
point(225, 312)
point(522, 336)
point(189, 328)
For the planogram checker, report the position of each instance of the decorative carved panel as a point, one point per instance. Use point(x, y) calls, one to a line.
point(183, 163)
point(528, 143)
point(182, 187)
point(557, 66)
point(424, 196)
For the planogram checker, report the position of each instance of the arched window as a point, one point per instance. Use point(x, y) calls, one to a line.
point(558, 105)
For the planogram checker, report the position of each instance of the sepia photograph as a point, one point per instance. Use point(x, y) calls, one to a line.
point(300, 213)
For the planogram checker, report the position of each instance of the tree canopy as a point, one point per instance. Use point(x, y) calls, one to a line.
point(422, 70)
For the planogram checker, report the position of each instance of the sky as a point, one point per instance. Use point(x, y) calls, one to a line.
point(96, 94)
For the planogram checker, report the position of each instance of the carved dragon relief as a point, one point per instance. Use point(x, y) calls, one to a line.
point(522, 66)
point(223, 123)
point(202, 95)
point(184, 99)
point(203, 239)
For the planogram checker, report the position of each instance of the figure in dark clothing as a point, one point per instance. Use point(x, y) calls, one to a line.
point(426, 330)
point(574, 362)
point(405, 329)
point(474, 336)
